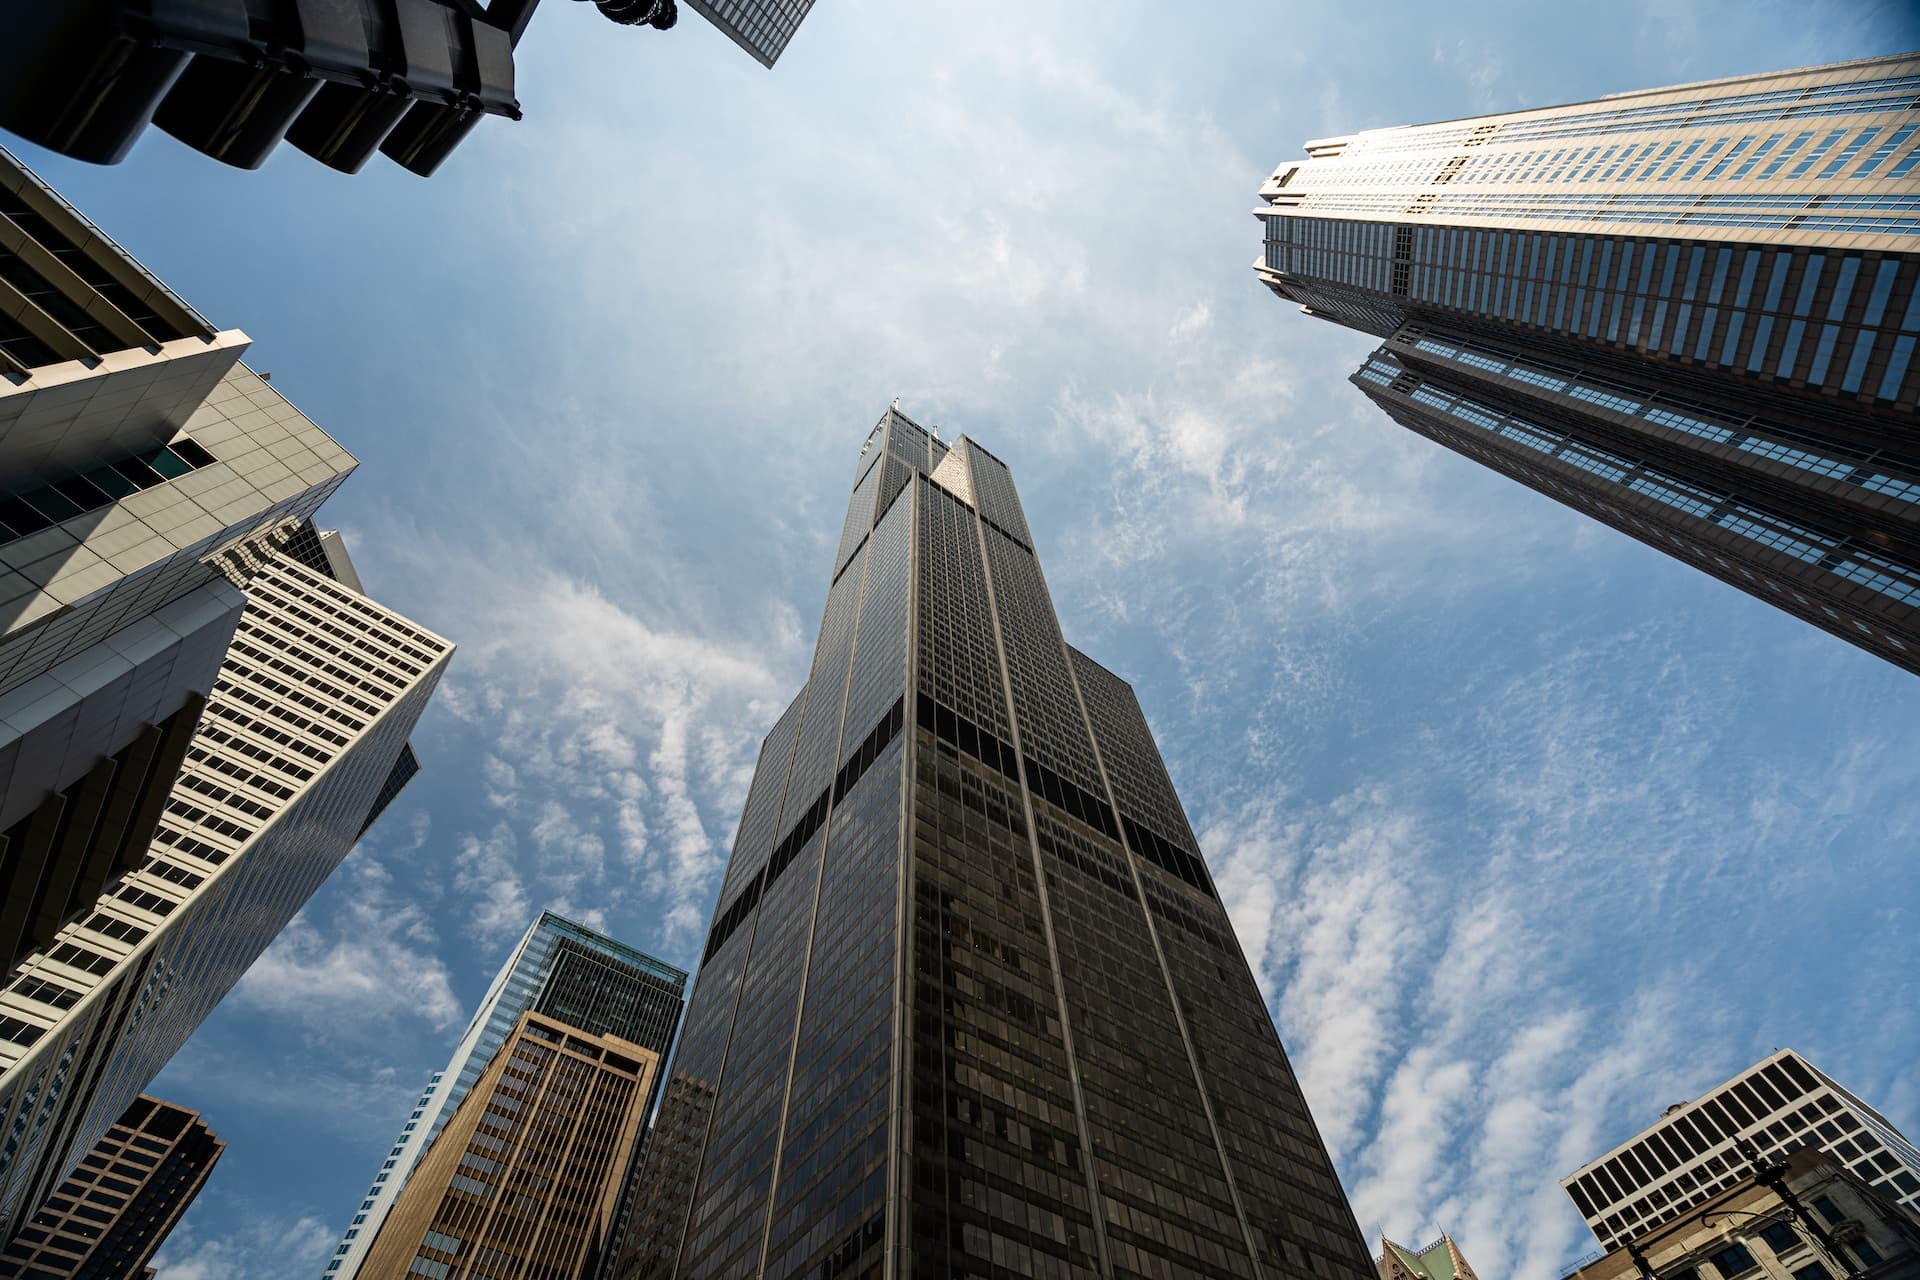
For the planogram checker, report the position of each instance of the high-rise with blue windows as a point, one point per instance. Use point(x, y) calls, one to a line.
point(560, 970)
point(1690, 313)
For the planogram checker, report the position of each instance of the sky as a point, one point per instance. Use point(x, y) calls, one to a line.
point(1527, 829)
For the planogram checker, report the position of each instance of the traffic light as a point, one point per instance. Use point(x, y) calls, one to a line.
point(339, 79)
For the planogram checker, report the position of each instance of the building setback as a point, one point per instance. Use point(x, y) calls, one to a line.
point(1690, 313)
point(970, 1003)
point(109, 1218)
point(523, 1180)
point(560, 970)
point(1697, 1150)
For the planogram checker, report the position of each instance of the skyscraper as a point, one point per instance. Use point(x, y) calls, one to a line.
point(299, 736)
point(1690, 313)
point(560, 970)
point(134, 449)
point(761, 27)
point(194, 727)
point(1698, 1150)
point(112, 1215)
point(970, 1004)
point(523, 1180)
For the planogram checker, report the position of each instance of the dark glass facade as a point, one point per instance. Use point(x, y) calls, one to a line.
point(1692, 314)
point(970, 1005)
point(115, 1211)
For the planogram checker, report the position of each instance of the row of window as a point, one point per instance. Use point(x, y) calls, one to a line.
point(1887, 93)
point(1893, 581)
point(1652, 162)
point(48, 505)
point(1667, 412)
point(1890, 215)
point(1537, 279)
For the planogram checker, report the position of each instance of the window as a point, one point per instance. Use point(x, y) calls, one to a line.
point(1780, 1236)
point(1734, 1260)
point(1812, 1271)
point(1868, 1255)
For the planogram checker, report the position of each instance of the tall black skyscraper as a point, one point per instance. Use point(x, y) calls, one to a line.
point(970, 1004)
point(1690, 313)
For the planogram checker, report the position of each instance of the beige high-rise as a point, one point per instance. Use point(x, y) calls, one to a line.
point(523, 1181)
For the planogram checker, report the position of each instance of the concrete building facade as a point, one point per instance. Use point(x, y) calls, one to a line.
point(301, 731)
point(194, 726)
point(1802, 1216)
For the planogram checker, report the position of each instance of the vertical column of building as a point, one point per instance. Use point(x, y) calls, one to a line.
point(727, 1228)
point(831, 1173)
point(672, 1165)
point(720, 1134)
point(1149, 1119)
point(1287, 1186)
point(995, 1162)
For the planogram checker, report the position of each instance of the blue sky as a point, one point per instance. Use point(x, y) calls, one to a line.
point(1528, 830)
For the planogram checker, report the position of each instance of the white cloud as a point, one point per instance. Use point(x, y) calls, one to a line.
point(266, 1247)
point(368, 966)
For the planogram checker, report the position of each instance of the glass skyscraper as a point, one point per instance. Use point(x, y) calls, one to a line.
point(560, 970)
point(970, 1004)
point(1690, 313)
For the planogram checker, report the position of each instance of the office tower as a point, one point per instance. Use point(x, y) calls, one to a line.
point(1799, 1217)
point(134, 450)
point(300, 734)
point(562, 971)
point(1689, 313)
point(521, 1182)
point(1696, 1150)
point(188, 718)
point(761, 27)
point(338, 79)
point(970, 1002)
point(109, 1218)
point(1441, 1260)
